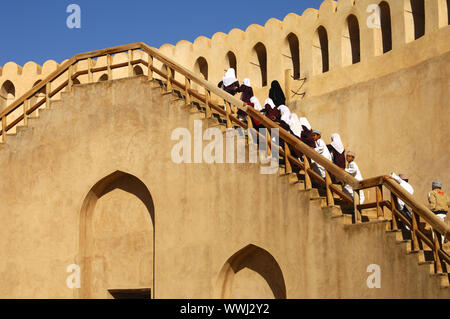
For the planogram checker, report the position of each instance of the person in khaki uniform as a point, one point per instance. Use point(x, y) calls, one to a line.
point(439, 201)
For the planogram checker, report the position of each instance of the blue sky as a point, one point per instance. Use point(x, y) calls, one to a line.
point(36, 30)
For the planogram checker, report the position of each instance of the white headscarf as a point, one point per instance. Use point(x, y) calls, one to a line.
point(337, 143)
point(285, 113)
point(229, 77)
point(247, 82)
point(255, 101)
point(270, 102)
point(295, 125)
point(304, 121)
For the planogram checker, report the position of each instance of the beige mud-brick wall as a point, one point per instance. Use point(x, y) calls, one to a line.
point(396, 123)
point(217, 228)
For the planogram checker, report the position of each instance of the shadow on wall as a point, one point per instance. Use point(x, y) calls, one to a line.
point(260, 262)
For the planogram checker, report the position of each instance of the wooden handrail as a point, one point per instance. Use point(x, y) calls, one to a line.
point(230, 101)
point(334, 170)
point(434, 221)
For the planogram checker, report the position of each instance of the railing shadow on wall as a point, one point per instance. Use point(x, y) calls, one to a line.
point(68, 73)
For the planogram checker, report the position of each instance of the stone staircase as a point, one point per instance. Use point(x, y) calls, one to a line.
point(337, 213)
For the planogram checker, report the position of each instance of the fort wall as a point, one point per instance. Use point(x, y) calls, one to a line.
point(120, 208)
point(349, 49)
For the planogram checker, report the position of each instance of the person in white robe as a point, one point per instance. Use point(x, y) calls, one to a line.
point(403, 180)
point(353, 169)
point(295, 125)
point(322, 149)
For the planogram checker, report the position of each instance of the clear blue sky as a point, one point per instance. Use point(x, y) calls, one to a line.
point(35, 30)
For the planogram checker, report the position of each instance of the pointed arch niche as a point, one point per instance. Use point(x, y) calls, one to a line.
point(117, 237)
point(251, 273)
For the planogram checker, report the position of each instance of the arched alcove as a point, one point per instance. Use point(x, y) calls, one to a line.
point(39, 95)
point(351, 46)
point(414, 19)
point(444, 13)
point(117, 236)
point(232, 61)
point(164, 69)
point(292, 55)
point(386, 26)
point(252, 273)
point(259, 60)
point(103, 78)
point(201, 67)
point(137, 70)
point(7, 94)
point(448, 12)
point(321, 60)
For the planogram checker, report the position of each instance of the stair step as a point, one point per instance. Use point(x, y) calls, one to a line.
point(301, 185)
point(290, 178)
point(333, 211)
point(323, 201)
point(345, 219)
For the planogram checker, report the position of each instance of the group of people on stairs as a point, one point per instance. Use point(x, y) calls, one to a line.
point(276, 110)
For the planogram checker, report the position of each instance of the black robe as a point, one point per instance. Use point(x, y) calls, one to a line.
point(307, 137)
point(276, 94)
point(231, 89)
point(272, 113)
point(247, 93)
point(338, 158)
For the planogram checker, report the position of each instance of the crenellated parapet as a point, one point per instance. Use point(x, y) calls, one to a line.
point(339, 41)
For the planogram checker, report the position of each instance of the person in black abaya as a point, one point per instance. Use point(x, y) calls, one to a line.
point(276, 94)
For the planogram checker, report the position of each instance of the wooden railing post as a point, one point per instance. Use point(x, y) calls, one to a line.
point(70, 80)
point(130, 66)
point(26, 103)
point(328, 183)
point(356, 202)
point(379, 198)
point(150, 66)
point(4, 129)
point(169, 79)
point(287, 153)
point(436, 247)
point(394, 218)
point(308, 182)
point(108, 65)
point(207, 107)
point(187, 94)
point(250, 130)
point(90, 77)
point(47, 94)
point(414, 232)
point(268, 143)
point(228, 110)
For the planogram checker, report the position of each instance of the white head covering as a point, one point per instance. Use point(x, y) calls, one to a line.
point(337, 143)
point(255, 101)
point(304, 121)
point(229, 77)
point(270, 102)
point(247, 82)
point(285, 113)
point(295, 125)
